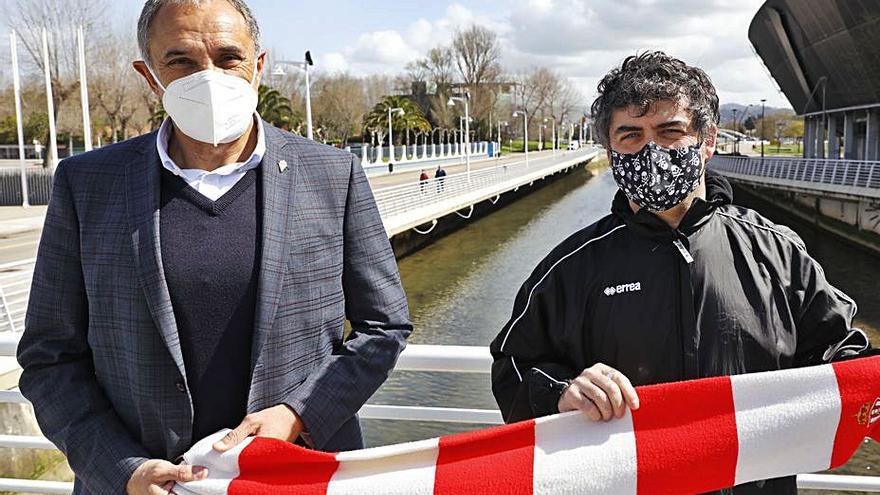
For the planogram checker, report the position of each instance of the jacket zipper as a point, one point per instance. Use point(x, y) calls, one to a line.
point(683, 251)
point(678, 323)
point(688, 259)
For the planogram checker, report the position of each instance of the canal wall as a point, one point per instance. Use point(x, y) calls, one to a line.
point(410, 241)
point(854, 221)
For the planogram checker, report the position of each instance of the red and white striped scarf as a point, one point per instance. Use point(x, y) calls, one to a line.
point(687, 437)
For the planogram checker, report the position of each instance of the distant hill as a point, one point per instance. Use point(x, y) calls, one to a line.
point(755, 111)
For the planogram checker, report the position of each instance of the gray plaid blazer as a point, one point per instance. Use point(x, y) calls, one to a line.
point(101, 358)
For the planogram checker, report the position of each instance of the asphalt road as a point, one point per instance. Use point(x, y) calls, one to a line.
point(19, 246)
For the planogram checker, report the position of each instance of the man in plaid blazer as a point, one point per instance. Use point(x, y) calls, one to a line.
point(106, 350)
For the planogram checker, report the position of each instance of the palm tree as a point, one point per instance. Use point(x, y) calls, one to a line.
point(276, 109)
point(412, 119)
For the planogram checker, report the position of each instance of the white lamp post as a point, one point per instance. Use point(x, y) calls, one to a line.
point(50, 104)
point(553, 134)
point(16, 85)
point(304, 65)
point(541, 128)
point(525, 132)
point(499, 135)
point(84, 88)
point(467, 128)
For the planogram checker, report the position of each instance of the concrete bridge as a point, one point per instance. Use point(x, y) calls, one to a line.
point(842, 196)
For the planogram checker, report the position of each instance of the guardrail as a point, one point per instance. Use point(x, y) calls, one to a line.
point(15, 287)
point(39, 185)
point(409, 205)
point(436, 358)
point(851, 178)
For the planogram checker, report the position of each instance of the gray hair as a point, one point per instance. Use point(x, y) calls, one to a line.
point(647, 78)
point(151, 8)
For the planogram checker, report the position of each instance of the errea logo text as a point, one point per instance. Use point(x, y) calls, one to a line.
point(620, 289)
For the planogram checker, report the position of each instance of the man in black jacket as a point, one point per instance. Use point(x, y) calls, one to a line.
point(676, 283)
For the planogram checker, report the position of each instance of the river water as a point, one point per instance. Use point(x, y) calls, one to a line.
point(461, 291)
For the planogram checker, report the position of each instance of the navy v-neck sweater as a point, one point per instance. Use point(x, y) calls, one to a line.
point(211, 258)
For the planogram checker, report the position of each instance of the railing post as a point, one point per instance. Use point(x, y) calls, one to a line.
point(6, 310)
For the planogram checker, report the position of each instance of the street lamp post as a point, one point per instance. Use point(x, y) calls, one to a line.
point(467, 128)
point(304, 65)
point(50, 105)
point(525, 132)
point(762, 126)
point(499, 135)
point(779, 125)
point(553, 134)
point(398, 111)
point(84, 88)
point(541, 142)
point(16, 90)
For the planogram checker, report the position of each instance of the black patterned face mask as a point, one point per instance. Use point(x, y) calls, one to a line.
point(657, 178)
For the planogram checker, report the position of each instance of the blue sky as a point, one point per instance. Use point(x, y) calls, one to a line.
point(582, 39)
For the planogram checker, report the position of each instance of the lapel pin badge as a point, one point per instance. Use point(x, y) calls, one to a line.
point(282, 166)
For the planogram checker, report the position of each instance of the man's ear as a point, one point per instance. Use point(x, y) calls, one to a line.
point(141, 67)
point(709, 142)
point(261, 64)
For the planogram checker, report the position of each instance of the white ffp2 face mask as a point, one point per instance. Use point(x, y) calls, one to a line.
point(210, 106)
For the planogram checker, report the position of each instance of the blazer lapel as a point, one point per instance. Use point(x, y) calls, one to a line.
point(278, 172)
point(142, 198)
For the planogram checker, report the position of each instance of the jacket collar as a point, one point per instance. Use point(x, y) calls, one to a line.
point(647, 224)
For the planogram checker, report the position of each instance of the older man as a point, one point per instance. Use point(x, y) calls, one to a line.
point(199, 277)
point(676, 283)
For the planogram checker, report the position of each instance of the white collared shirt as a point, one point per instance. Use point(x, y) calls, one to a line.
point(217, 182)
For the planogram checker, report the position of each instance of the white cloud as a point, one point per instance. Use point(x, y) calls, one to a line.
point(334, 62)
point(583, 39)
point(389, 51)
point(381, 47)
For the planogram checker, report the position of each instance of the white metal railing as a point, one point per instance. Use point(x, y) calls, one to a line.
point(15, 287)
point(375, 155)
point(458, 359)
point(396, 200)
point(849, 177)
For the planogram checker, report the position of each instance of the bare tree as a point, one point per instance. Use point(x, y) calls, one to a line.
point(340, 105)
point(563, 100)
point(532, 90)
point(438, 67)
point(477, 54)
point(376, 87)
point(119, 93)
point(61, 19)
point(416, 71)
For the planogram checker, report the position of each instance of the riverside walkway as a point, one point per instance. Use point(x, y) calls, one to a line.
point(417, 203)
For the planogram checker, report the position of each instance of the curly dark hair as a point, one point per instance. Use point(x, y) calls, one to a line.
point(647, 78)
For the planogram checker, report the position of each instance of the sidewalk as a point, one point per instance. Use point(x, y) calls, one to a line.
point(16, 220)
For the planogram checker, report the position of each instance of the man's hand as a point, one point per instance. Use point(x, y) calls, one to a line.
point(279, 422)
point(601, 392)
point(157, 477)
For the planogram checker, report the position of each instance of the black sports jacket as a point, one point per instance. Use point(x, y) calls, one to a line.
point(728, 292)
